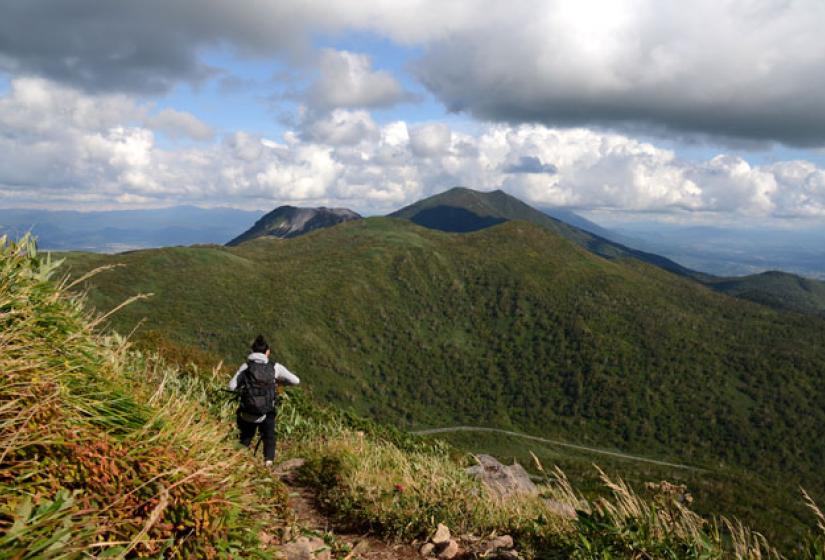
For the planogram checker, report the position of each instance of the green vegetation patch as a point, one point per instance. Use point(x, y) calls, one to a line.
point(107, 452)
point(377, 479)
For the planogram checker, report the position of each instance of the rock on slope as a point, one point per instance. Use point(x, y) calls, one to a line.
point(289, 221)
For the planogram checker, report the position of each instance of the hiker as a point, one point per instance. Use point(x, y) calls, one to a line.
point(256, 382)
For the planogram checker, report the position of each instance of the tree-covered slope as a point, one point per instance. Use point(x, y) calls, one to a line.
point(777, 289)
point(462, 210)
point(511, 326)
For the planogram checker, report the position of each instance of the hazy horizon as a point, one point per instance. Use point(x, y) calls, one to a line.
point(724, 250)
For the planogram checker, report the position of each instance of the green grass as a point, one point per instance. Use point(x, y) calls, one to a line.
point(107, 452)
point(730, 491)
point(512, 327)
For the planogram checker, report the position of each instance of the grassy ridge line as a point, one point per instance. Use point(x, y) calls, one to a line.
point(106, 452)
point(620, 455)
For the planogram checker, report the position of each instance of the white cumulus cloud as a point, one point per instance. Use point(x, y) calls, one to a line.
point(429, 140)
point(339, 127)
point(89, 151)
point(347, 80)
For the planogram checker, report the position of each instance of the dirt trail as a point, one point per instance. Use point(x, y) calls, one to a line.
point(560, 444)
point(345, 545)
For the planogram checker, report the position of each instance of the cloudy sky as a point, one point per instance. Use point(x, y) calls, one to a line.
point(712, 110)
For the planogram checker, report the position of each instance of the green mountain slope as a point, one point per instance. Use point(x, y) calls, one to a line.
point(463, 210)
point(511, 326)
point(777, 289)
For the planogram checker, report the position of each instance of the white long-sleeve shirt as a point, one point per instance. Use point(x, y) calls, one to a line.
point(281, 375)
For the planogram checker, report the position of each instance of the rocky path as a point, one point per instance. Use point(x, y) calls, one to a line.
point(315, 536)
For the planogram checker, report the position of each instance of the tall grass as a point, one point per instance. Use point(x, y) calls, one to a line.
point(104, 451)
point(401, 486)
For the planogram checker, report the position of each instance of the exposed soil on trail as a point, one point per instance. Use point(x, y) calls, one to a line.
point(342, 542)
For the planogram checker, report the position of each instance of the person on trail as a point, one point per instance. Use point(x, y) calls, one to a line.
point(256, 382)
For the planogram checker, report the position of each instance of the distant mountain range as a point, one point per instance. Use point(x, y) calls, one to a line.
point(121, 230)
point(571, 218)
point(288, 221)
point(456, 210)
point(731, 249)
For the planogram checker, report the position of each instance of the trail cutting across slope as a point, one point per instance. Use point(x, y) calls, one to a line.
point(620, 455)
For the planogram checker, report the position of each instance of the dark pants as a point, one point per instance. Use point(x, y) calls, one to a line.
point(267, 430)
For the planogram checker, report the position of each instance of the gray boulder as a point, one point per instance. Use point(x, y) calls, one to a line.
point(498, 543)
point(502, 480)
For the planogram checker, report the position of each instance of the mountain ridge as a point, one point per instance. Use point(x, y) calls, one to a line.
point(463, 210)
point(286, 222)
point(480, 209)
point(780, 290)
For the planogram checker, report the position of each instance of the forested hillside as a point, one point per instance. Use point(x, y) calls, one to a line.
point(777, 289)
point(125, 454)
point(462, 210)
point(511, 326)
